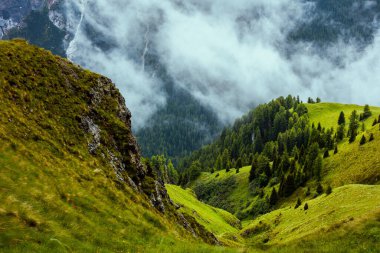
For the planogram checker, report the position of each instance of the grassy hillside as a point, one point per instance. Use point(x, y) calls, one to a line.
point(348, 218)
point(327, 113)
point(353, 163)
point(71, 179)
point(346, 208)
point(218, 221)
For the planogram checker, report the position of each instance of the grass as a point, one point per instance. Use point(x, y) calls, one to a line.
point(328, 113)
point(54, 195)
point(353, 163)
point(348, 205)
point(220, 222)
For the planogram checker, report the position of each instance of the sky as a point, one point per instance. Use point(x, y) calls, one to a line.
point(230, 55)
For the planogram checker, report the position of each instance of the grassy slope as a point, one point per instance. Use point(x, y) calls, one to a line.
point(54, 195)
point(218, 221)
point(240, 197)
point(327, 113)
point(350, 215)
point(353, 163)
point(347, 204)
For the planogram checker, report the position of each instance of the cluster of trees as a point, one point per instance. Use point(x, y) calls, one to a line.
point(164, 169)
point(180, 127)
point(277, 139)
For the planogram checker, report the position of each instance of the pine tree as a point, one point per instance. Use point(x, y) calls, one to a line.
point(340, 132)
point(341, 119)
point(329, 190)
point(298, 203)
point(371, 137)
point(363, 127)
point(273, 197)
point(363, 140)
point(252, 172)
point(326, 154)
point(367, 112)
point(319, 188)
point(258, 144)
point(305, 207)
point(318, 100)
point(336, 150)
point(374, 122)
point(353, 126)
point(238, 163)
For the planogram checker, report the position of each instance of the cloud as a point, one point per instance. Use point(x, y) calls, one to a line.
point(230, 55)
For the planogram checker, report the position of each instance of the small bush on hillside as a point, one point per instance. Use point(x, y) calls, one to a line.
point(363, 140)
point(319, 189)
point(371, 137)
point(217, 175)
point(326, 154)
point(305, 207)
point(329, 190)
point(307, 193)
point(298, 203)
point(374, 122)
point(336, 150)
point(237, 170)
point(273, 197)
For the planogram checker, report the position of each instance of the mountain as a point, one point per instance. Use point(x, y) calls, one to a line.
point(334, 210)
point(183, 124)
point(71, 175)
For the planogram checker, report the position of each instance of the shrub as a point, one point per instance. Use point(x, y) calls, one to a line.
point(326, 154)
point(336, 150)
point(298, 203)
point(371, 137)
point(329, 190)
point(307, 193)
point(319, 189)
point(363, 140)
point(305, 207)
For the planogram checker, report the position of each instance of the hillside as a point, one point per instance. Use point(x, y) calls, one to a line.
point(218, 221)
point(347, 218)
point(71, 176)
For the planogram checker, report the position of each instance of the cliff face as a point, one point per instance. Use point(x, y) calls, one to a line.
point(72, 114)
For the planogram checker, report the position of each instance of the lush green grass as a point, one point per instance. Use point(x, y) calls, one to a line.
point(327, 113)
point(54, 195)
point(350, 204)
point(353, 163)
point(220, 222)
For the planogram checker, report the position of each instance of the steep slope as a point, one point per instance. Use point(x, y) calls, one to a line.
point(347, 218)
point(346, 208)
point(218, 221)
point(71, 177)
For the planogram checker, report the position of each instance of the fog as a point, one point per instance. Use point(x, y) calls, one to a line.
point(230, 55)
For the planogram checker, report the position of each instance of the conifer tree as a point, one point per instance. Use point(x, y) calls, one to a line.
point(273, 197)
point(340, 132)
point(238, 163)
point(329, 190)
point(319, 188)
point(341, 119)
point(363, 140)
point(353, 126)
point(326, 154)
point(252, 172)
point(374, 122)
point(298, 203)
point(305, 207)
point(367, 112)
point(336, 150)
point(371, 137)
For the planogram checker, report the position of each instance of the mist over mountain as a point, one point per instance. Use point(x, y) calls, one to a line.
point(173, 59)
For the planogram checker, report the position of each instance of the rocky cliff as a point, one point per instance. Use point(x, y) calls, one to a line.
point(75, 114)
